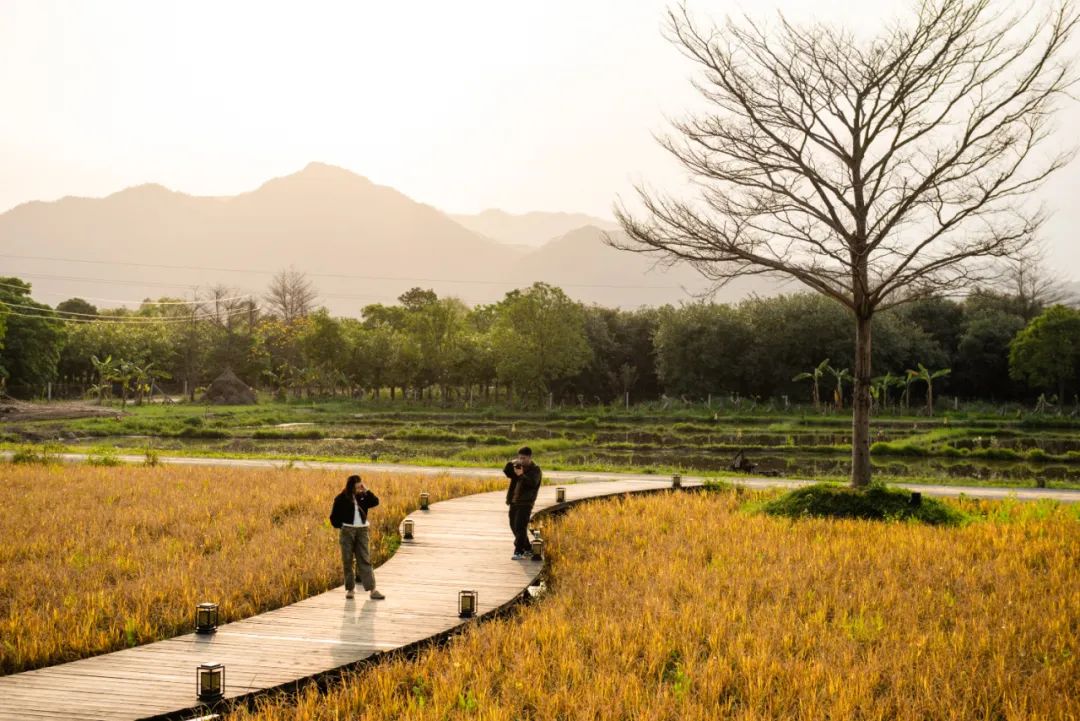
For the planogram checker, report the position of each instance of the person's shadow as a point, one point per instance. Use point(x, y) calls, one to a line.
point(356, 632)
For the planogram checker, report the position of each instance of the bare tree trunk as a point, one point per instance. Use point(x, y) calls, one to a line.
point(860, 402)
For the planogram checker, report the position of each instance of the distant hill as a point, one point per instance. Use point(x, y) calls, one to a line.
point(323, 220)
point(530, 229)
point(1072, 293)
point(359, 242)
point(594, 272)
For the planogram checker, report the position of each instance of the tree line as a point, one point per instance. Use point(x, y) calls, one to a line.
point(537, 346)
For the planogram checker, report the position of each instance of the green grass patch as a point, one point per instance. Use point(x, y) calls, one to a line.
point(876, 502)
point(104, 456)
point(43, 454)
point(310, 434)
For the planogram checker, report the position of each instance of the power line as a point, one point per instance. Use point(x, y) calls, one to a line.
point(326, 275)
point(64, 313)
point(117, 320)
point(137, 302)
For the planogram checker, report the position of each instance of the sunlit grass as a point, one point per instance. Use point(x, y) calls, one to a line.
point(685, 607)
point(97, 558)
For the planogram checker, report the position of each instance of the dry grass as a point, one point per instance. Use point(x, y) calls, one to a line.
point(95, 559)
point(682, 607)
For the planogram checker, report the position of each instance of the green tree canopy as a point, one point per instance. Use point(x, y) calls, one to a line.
point(32, 341)
point(1046, 354)
point(539, 338)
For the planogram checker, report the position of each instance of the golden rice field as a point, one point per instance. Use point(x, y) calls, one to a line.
point(95, 559)
point(685, 607)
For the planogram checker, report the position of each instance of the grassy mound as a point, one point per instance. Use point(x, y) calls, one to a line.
point(876, 502)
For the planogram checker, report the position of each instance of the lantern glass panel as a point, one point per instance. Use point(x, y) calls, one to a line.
point(211, 681)
point(467, 603)
point(560, 494)
point(206, 617)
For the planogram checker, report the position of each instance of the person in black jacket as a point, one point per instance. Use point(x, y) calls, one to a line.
point(525, 477)
point(350, 514)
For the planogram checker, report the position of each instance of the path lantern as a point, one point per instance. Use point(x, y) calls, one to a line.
point(676, 481)
point(210, 681)
point(407, 529)
point(537, 546)
point(466, 603)
point(424, 501)
point(206, 617)
point(560, 494)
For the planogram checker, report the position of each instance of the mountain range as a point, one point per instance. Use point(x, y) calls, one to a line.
point(358, 242)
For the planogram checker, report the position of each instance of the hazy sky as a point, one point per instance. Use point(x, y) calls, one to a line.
point(464, 105)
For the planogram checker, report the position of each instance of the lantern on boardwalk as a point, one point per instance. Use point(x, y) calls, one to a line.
point(466, 603)
point(560, 494)
point(676, 481)
point(206, 617)
point(424, 501)
point(537, 546)
point(407, 529)
point(210, 681)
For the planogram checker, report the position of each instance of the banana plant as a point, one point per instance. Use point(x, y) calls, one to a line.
point(840, 375)
point(815, 375)
point(144, 379)
point(879, 387)
point(927, 376)
point(106, 372)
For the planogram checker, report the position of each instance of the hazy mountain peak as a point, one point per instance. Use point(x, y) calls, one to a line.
point(144, 191)
point(317, 177)
point(316, 169)
point(529, 229)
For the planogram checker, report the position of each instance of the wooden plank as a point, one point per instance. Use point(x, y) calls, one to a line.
point(460, 543)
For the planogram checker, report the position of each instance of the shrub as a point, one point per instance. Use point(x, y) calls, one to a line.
point(876, 502)
point(103, 456)
point(43, 454)
point(203, 433)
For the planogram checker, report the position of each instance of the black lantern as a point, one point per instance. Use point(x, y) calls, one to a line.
point(407, 529)
point(210, 681)
point(466, 603)
point(560, 494)
point(424, 501)
point(206, 618)
point(676, 481)
point(537, 546)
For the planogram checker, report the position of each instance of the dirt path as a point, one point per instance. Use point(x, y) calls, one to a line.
point(981, 492)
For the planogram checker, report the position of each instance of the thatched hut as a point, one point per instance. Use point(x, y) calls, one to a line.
point(227, 389)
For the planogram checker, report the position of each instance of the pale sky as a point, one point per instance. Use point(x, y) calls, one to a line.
point(463, 105)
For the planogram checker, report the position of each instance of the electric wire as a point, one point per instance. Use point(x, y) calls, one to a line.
point(322, 275)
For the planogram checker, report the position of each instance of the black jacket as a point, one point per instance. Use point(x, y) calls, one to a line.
point(523, 488)
point(342, 512)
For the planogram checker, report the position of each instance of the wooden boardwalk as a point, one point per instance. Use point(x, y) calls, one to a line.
point(463, 543)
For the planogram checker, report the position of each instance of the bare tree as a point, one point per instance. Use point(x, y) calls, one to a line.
point(1034, 285)
point(291, 295)
point(873, 171)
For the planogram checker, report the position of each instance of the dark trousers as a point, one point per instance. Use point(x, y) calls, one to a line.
point(356, 558)
point(519, 524)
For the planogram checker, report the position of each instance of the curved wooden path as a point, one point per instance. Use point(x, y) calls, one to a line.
point(463, 543)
